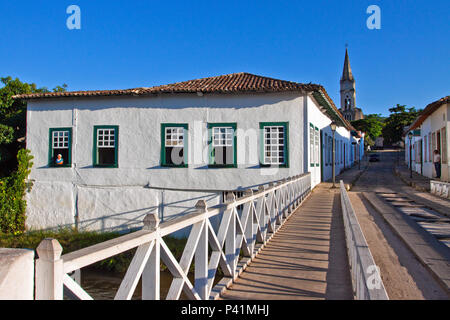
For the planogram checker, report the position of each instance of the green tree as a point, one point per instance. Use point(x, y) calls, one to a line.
point(372, 125)
point(13, 120)
point(395, 124)
point(12, 192)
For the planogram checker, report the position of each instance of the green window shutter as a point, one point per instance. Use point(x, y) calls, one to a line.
point(317, 145)
point(60, 143)
point(173, 138)
point(269, 131)
point(106, 146)
point(220, 133)
point(311, 145)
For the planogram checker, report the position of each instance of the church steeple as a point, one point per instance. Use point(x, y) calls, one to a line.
point(347, 73)
point(348, 93)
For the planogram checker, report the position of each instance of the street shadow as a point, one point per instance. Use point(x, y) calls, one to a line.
point(339, 283)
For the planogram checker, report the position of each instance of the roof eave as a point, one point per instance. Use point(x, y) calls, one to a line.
point(322, 99)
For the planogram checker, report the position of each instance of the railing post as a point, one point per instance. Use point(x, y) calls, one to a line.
point(250, 226)
point(151, 272)
point(230, 240)
point(260, 212)
point(49, 270)
point(201, 256)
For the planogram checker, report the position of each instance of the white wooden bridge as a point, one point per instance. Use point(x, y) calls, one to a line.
point(247, 225)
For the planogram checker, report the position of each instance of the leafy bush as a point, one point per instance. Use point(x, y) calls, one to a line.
point(12, 192)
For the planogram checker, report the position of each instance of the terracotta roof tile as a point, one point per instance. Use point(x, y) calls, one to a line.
point(230, 83)
point(429, 109)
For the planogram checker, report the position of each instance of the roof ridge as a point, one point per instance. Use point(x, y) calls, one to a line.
point(227, 83)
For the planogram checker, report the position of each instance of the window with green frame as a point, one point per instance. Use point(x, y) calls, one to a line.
point(222, 145)
point(314, 144)
point(106, 146)
point(274, 144)
point(60, 147)
point(317, 146)
point(174, 145)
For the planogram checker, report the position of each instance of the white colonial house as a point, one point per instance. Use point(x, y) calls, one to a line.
point(104, 159)
point(430, 132)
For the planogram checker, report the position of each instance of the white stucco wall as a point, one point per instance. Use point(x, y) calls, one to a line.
point(434, 122)
point(116, 198)
point(342, 136)
point(16, 274)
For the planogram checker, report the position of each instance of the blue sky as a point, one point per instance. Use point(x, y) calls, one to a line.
point(135, 43)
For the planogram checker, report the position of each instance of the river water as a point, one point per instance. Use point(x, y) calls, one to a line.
point(101, 285)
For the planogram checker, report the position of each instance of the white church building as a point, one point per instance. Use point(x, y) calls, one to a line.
point(104, 159)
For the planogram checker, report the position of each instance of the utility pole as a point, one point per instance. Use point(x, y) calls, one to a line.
point(410, 136)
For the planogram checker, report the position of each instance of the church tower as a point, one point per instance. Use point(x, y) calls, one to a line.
point(348, 93)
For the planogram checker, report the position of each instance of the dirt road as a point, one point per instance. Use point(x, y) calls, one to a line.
point(403, 275)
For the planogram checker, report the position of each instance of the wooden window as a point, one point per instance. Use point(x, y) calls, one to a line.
point(444, 145)
point(336, 159)
point(325, 147)
point(311, 144)
point(275, 142)
point(419, 151)
point(330, 150)
point(430, 148)
point(317, 146)
point(106, 146)
point(174, 145)
point(60, 147)
point(222, 142)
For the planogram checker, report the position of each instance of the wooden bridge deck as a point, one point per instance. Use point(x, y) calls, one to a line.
point(306, 259)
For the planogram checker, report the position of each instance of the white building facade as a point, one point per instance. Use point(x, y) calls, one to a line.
point(430, 132)
point(105, 159)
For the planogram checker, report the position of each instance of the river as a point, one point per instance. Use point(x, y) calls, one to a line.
point(101, 285)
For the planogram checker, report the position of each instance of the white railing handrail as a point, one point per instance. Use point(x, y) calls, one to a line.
point(440, 188)
point(263, 213)
point(366, 279)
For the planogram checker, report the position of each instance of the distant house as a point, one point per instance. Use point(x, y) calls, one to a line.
point(126, 153)
point(379, 143)
point(430, 132)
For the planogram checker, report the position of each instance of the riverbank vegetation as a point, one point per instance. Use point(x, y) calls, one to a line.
point(15, 160)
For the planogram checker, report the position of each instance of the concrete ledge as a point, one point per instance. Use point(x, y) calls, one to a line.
point(416, 185)
point(440, 188)
point(427, 249)
point(351, 175)
point(359, 255)
point(16, 274)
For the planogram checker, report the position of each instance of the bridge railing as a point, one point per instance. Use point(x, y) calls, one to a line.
point(366, 278)
point(440, 188)
point(246, 225)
